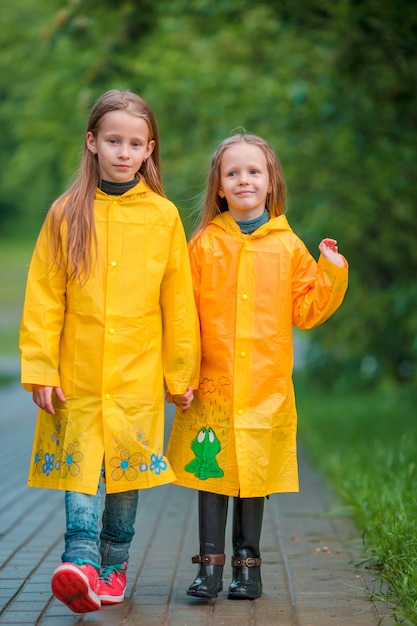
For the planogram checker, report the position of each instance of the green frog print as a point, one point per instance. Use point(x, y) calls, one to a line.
point(205, 447)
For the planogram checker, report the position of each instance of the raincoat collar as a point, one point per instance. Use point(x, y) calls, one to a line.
point(226, 222)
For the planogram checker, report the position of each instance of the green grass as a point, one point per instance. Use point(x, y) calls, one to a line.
point(365, 443)
point(14, 262)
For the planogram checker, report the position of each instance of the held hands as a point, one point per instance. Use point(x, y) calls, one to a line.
point(328, 248)
point(42, 396)
point(183, 400)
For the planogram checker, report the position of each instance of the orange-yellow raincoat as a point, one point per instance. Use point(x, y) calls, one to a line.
point(239, 436)
point(109, 344)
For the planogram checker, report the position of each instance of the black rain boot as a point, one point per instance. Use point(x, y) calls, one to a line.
point(246, 561)
point(212, 513)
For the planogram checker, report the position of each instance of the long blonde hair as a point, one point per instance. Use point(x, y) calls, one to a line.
point(214, 205)
point(75, 207)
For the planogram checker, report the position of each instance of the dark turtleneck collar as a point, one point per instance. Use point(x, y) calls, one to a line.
point(249, 226)
point(117, 189)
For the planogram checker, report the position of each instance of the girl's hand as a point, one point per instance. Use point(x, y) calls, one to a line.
point(42, 396)
point(328, 248)
point(182, 400)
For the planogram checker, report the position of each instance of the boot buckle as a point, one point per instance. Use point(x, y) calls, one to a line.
point(250, 561)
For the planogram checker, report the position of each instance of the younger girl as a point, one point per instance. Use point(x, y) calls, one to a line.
point(253, 280)
point(109, 317)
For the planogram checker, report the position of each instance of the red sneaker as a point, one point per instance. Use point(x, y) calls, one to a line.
point(76, 587)
point(112, 584)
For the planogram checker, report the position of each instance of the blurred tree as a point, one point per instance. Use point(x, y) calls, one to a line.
point(56, 58)
point(331, 84)
point(368, 142)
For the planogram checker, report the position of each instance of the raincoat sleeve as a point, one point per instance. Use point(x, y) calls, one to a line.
point(195, 262)
point(181, 334)
point(42, 318)
point(318, 289)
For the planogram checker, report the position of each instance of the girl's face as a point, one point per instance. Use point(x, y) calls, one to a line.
point(122, 144)
point(244, 180)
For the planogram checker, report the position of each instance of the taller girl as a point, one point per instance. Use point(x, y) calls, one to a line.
point(109, 318)
point(253, 280)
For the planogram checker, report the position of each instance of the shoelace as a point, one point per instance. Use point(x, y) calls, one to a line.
point(109, 571)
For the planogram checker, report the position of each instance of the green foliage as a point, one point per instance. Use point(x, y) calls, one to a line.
point(331, 84)
point(14, 263)
point(365, 443)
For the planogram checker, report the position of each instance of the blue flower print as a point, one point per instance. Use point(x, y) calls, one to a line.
point(48, 465)
point(157, 463)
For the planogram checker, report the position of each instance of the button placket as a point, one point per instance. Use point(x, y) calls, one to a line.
point(244, 321)
point(112, 304)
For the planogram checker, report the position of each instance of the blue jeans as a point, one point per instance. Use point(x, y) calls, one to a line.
point(83, 539)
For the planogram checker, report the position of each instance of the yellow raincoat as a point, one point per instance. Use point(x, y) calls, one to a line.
point(239, 436)
point(109, 344)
